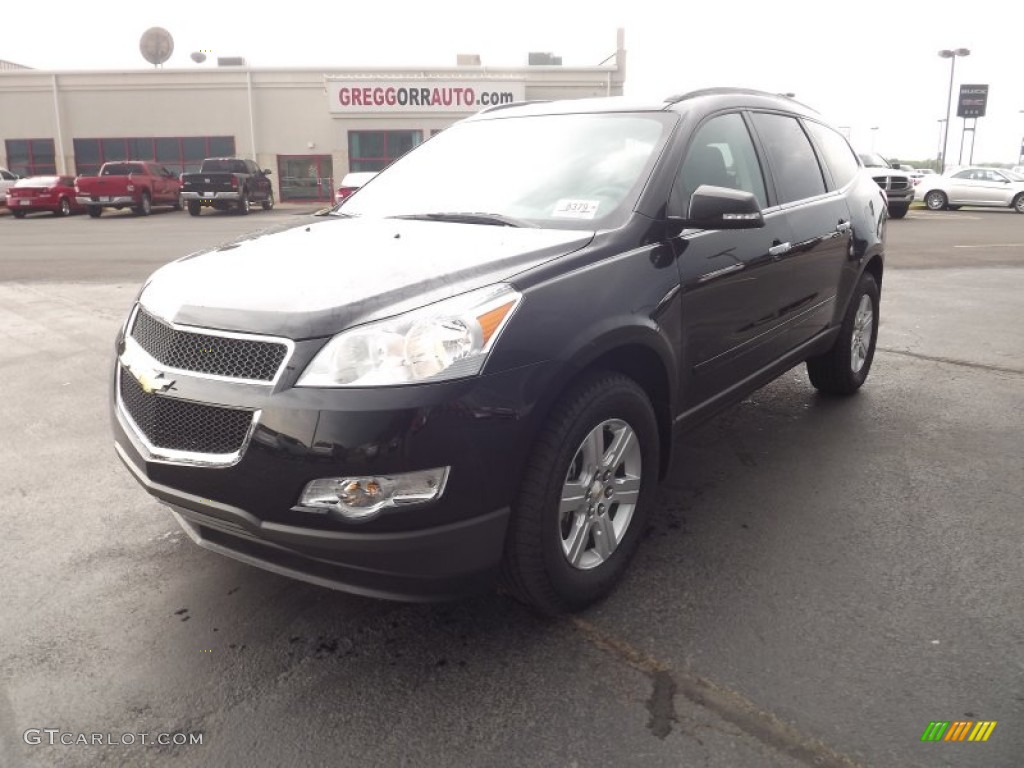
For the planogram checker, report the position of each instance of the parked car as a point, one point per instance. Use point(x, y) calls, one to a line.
point(991, 187)
point(898, 186)
point(442, 384)
point(7, 180)
point(55, 194)
point(129, 184)
point(351, 182)
point(227, 182)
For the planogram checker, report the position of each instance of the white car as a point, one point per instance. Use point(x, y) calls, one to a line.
point(972, 186)
point(7, 180)
point(351, 183)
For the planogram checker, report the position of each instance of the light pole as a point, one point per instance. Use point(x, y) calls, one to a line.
point(938, 153)
point(874, 132)
point(1020, 152)
point(950, 54)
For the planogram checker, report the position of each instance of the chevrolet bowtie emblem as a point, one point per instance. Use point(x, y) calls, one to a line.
point(151, 381)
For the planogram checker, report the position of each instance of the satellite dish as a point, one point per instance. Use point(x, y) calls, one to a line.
point(198, 57)
point(156, 45)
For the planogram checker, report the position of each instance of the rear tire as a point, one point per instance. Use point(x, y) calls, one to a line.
point(268, 204)
point(177, 203)
point(843, 369)
point(1018, 203)
point(243, 204)
point(898, 211)
point(936, 200)
point(18, 214)
point(64, 209)
point(194, 208)
point(585, 495)
point(95, 211)
point(145, 206)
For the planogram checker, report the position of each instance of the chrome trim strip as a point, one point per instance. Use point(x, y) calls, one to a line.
point(169, 455)
point(721, 272)
point(288, 343)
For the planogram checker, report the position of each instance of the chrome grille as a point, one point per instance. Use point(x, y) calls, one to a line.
point(208, 353)
point(181, 425)
point(899, 183)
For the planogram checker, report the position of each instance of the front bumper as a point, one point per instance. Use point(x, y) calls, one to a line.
point(436, 563)
point(247, 509)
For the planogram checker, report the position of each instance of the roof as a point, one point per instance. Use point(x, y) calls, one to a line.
point(712, 98)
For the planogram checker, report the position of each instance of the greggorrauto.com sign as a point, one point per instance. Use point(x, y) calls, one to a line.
point(347, 96)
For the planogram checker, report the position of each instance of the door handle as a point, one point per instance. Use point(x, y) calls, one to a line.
point(779, 249)
point(843, 227)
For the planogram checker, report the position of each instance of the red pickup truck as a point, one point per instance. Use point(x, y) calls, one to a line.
point(129, 184)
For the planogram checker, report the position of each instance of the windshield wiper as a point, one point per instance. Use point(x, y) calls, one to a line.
point(468, 217)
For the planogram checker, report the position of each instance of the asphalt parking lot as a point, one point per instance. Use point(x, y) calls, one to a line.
point(821, 580)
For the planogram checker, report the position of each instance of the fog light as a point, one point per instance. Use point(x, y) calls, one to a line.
point(360, 498)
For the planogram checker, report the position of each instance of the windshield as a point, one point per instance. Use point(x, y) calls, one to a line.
point(563, 171)
point(872, 160)
point(37, 181)
point(1014, 176)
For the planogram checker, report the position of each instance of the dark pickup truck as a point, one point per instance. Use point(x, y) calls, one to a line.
point(225, 183)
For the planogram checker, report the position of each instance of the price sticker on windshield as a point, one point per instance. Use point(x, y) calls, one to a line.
point(575, 209)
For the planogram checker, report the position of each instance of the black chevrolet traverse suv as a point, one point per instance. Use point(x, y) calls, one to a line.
point(473, 369)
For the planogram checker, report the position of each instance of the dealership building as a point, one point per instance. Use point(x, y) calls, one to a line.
point(309, 126)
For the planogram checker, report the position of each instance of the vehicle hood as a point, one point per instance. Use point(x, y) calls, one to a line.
point(322, 275)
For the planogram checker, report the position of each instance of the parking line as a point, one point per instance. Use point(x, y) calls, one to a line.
point(724, 702)
point(993, 245)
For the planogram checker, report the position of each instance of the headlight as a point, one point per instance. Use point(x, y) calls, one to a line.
point(447, 340)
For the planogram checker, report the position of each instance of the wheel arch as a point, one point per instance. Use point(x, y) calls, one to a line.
point(642, 354)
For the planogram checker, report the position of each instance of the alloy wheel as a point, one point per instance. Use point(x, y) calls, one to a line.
point(600, 494)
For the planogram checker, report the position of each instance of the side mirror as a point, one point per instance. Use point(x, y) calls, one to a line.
point(266, 171)
point(722, 208)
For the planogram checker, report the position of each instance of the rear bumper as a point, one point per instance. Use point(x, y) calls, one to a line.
point(100, 201)
point(213, 197)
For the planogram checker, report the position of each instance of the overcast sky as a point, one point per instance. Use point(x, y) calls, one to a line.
point(863, 64)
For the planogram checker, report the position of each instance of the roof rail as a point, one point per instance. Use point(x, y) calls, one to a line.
point(496, 107)
point(675, 99)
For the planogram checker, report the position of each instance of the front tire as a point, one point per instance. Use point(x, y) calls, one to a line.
point(585, 496)
point(936, 200)
point(898, 211)
point(843, 369)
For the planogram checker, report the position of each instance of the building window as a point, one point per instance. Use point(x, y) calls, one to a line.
point(375, 150)
point(181, 154)
point(31, 157)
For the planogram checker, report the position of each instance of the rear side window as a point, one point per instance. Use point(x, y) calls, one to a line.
point(791, 156)
point(722, 155)
point(122, 169)
point(838, 156)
